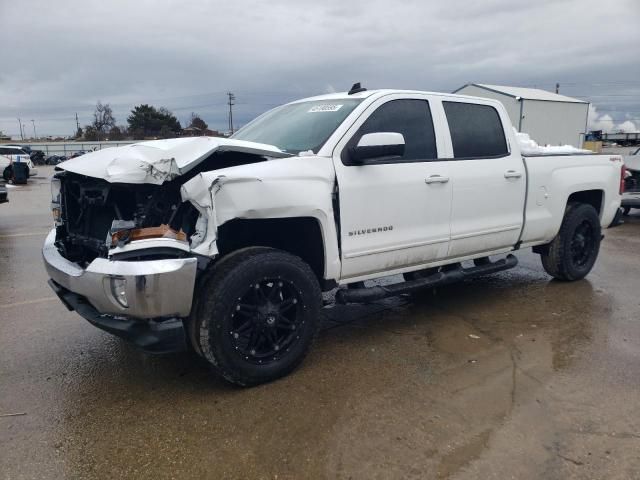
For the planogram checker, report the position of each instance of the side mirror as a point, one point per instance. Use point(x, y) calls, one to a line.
point(376, 146)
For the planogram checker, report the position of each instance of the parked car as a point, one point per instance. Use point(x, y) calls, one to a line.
point(37, 157)
point(24, 148)
point(4, 194)
point(631, 197)
point(54, 159)
point(225, 245)
point(10, 154)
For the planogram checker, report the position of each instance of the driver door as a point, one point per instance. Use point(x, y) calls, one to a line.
point(394, 212)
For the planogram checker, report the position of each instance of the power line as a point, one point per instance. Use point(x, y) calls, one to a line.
point(232, 97)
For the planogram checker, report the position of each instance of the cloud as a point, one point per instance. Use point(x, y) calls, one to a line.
point(187, 55)
point(606, 123)
point(627, 126)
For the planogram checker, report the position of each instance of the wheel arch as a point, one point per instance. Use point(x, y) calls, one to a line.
point(594, 197)
point(300, 236)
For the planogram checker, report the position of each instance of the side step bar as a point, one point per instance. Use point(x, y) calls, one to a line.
point(371, 294)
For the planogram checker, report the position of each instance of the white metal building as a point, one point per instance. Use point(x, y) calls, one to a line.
point(548, 118)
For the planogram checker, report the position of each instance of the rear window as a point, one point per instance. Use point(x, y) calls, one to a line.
point(476, 130)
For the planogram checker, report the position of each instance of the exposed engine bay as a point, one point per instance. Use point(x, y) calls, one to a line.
point(96, 216)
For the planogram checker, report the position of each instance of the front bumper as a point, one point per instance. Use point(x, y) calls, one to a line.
point(167, 336)
point(154, 288)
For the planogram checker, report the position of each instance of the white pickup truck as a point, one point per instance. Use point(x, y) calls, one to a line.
point(225, 245)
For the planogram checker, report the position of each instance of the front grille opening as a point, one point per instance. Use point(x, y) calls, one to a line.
point(89, 207)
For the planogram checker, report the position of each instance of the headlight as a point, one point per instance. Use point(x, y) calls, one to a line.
point(55, 190)
point(55, 201)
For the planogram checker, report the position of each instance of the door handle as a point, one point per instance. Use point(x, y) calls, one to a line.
point(512, 174)
point(436, 179)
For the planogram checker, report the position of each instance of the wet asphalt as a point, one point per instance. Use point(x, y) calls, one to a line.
point(506, 376)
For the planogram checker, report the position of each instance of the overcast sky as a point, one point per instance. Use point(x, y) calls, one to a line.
point(59, 58)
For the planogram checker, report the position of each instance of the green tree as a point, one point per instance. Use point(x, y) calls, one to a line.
point(166, 132)
point(137, 134)
point(150, 121)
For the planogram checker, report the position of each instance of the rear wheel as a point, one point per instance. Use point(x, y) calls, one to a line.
point(572, 254)
point(7, 174)
point(257, 316)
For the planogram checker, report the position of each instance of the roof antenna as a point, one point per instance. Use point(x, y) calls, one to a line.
point(356, 88)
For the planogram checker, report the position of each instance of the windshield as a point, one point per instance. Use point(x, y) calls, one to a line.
point(299, 127)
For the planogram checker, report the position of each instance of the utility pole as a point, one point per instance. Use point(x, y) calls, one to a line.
point(557, 88)
point(21, 134)
point(77, 123)
point(35, 135)
point(232, 97)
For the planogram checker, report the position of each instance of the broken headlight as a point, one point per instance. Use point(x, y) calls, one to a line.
point(55, 201)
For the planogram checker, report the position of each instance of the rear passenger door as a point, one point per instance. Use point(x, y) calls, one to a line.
point(488, 180)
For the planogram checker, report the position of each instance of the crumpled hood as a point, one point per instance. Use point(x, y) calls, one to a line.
point(157, 161)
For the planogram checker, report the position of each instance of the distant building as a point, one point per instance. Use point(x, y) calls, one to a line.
point(548, 118)
point(200, 132)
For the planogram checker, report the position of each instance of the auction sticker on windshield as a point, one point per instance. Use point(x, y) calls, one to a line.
point(325, 108)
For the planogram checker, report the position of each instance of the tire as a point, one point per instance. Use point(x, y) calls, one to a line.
point(256, 315)
point(626, 210)
point(572, 254)
point(7, 174)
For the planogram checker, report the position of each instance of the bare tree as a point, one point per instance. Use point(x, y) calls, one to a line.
point(103, 119)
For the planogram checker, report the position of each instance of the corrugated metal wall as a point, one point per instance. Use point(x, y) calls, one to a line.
point(552, 123)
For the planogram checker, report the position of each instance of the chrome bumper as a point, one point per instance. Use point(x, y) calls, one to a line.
point(154, 288)
point(631, 199)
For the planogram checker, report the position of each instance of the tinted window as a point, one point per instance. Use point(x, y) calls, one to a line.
point(411, 118)
point(476, 130)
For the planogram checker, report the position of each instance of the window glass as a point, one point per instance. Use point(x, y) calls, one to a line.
point(411, 118)
point(299, 127)
point(476, 130)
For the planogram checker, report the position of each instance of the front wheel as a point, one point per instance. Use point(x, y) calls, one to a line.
point(572, 254)
point(257, 315)
point(7, 174)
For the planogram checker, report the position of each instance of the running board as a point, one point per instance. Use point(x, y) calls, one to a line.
point(371, 294)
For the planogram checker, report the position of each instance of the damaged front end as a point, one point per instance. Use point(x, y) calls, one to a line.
point(124, 251)
point(98, 219)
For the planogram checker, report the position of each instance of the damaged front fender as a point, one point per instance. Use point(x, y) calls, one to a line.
point(289, 188)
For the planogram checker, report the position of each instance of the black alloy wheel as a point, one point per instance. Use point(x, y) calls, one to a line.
point(573, 252)
point(255, 315)
point(266, 320)
point(582, 244)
